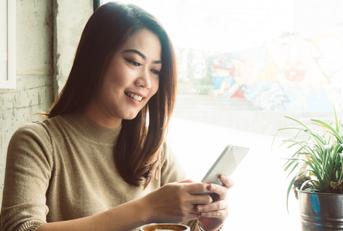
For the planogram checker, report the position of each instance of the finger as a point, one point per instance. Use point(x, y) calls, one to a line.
point(215, 214)
point(196, 188)
point(226, 181)
point(218, 189)
point(215, 206)
point(185, 181)
point(193, 215)
point(200, 199)
point(192, 212)
point(195, 211)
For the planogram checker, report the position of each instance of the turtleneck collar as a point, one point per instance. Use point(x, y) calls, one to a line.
point(91, 130)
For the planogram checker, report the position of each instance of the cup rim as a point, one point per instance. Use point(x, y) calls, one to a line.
point(151, 224)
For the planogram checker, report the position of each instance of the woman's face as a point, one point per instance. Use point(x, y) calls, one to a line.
point(132, 77)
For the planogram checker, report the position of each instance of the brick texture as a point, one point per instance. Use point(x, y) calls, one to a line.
point(33, 95)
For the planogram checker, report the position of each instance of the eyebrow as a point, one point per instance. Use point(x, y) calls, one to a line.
point(140, 54)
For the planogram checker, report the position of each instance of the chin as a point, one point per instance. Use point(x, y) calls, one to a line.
point(130, 116)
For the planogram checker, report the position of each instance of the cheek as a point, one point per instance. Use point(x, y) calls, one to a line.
point(117, 78)
point(118, 74)
point(112, 87)
point(155, 86)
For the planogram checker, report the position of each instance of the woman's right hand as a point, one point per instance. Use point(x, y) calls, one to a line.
point(175, 202)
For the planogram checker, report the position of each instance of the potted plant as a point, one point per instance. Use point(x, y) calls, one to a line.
point(316, 173)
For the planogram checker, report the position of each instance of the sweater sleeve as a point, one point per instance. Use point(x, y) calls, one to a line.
point(171, 170)
point(27, 175)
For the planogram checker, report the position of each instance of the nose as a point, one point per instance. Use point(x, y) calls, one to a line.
point(144, 80)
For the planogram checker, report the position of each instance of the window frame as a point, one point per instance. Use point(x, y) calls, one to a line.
point(96, 4)
point(9, 81)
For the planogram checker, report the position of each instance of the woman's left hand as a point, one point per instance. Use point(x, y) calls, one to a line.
point(212, 216)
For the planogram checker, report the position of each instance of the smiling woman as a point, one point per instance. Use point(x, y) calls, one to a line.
point(132, 77)
point(119, 74)
point(99, 161)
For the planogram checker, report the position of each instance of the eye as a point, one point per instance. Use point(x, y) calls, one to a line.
point(155, 71)
point(133, 62)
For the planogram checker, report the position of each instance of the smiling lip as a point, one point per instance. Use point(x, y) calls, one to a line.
point(137, 97)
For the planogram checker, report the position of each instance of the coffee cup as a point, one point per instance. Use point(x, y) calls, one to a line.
point(164, 227)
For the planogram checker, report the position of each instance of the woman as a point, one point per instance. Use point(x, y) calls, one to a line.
point(99, 161)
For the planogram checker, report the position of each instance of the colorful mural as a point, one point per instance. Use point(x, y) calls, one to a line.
point(290, 73)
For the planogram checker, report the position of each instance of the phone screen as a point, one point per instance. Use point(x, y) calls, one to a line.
point(226, 163)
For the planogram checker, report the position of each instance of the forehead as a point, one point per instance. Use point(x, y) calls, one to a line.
point(146, 42)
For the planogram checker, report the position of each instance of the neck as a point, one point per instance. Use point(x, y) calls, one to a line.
point(103, 119)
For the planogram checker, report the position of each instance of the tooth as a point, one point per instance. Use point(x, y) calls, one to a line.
point(138, 98)
point(135, 97)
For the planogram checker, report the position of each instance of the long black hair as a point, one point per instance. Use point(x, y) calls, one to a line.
point(140, 139)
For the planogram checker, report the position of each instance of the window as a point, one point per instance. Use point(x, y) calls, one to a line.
point(243, 65)
point(7, 44)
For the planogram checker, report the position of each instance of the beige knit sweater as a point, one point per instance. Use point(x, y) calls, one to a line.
point(63, 168)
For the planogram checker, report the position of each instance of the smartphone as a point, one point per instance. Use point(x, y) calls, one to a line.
point(226, 163)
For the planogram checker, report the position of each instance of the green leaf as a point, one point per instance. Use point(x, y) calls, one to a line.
point(333, 131)
point(322, 163)
point(295, 166)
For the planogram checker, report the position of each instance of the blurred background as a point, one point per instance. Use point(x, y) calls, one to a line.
point(242, 66)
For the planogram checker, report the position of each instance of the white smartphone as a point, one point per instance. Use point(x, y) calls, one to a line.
point(226, 163)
